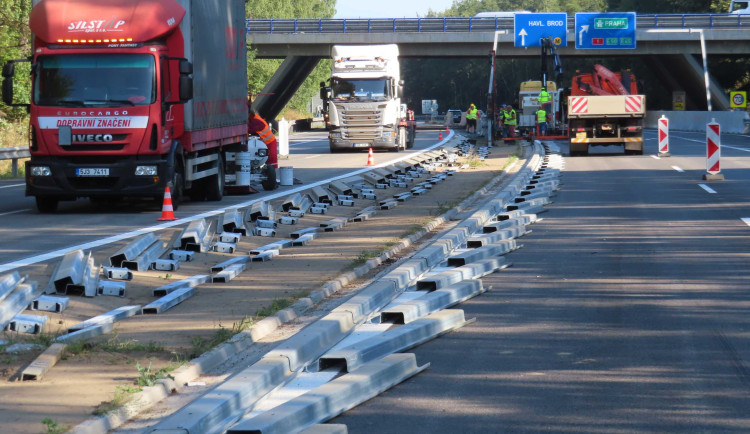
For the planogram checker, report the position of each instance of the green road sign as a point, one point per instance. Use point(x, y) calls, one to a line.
point(610, 23)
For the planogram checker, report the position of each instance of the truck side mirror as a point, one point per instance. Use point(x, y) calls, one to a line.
point(7, 89)
point(186, 88)
point(186, 68)
point(9, 69)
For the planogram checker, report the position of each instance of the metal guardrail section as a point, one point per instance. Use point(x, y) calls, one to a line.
point(14, 154)
point(472, 24)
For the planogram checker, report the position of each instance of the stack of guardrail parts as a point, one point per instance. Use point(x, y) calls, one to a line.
point(353, 345)
point(76, 274)
point(16, 293)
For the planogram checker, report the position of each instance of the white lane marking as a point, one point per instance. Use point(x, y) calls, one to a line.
point(746, 220)
point(12, 185)
point(723, 146)
point(707, 188)
point(15, 212)
point(306, 141)
point(113, 239)
point(311, 156)
point(677, 169)
point(656, 157)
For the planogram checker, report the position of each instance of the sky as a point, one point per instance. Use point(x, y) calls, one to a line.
point(388, 8)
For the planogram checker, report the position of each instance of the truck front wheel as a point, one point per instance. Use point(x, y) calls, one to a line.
point(215, 183)
point(47, 204)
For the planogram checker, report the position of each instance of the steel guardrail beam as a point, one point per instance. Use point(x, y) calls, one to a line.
point(14, 154)
point(473, 24)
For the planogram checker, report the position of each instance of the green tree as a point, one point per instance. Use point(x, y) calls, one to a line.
point(260, 71)
point(15, 43)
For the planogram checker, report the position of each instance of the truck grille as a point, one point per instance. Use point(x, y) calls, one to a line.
point(362, 124)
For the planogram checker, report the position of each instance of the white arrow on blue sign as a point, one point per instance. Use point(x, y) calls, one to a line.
point(530, 29)
point(605, 30)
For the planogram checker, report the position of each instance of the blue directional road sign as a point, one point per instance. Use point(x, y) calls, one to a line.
point(531, 28)
point(605, 30)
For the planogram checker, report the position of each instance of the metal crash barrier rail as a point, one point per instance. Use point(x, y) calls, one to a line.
point(475, 24)
point(14, 154)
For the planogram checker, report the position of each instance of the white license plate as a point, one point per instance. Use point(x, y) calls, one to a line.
point(92, 172)
point(362, 145)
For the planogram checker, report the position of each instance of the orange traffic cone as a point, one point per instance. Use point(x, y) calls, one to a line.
point(447, 129)
point(370, 158)
point(167, 213)
point(440, 136)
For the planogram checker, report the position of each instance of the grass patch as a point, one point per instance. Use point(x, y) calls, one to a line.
point(475, 162)
point(443, 207)
point(512, 159)
point(276, 305)
point(52, 427)
point(113, 345)
point(147, 377)
point(123, 394)
point(363, 257)
point(221, 335)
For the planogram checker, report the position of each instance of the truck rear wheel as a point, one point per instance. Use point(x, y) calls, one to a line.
point(270, 182)
point(47, 204)
point(215, 183)
point(177, 190)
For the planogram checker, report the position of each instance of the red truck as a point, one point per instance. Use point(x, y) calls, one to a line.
point(129, 97)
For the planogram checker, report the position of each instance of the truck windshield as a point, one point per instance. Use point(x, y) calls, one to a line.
point(100, 80)
point(375, 89)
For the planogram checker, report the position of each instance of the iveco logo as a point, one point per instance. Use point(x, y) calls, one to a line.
point(92, 138)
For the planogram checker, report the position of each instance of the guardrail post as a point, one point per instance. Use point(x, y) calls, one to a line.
point(683, 21)
point(295, 25)
point(419, 25)
point(14, 167)
point(344, 26)
point(271, 28)
point(470, 24)
point(369, 25)
point(711, 21)
point(444, 25)
point(394, 25)
point(320, 25)
point(496, 24)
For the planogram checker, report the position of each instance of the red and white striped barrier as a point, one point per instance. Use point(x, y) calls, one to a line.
point(664, 136)
point(713, 151)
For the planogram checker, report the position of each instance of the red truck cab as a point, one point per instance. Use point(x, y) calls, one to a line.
point(116, 110)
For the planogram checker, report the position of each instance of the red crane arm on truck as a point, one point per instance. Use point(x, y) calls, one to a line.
point(604, 82)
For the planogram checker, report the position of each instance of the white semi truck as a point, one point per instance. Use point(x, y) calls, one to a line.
point(364, 99)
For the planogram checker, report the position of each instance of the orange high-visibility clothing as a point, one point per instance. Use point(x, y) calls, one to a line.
point(256, 125)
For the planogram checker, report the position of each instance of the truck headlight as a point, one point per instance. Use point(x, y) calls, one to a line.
point(40, 171)
point(146, 171)
point(336, 135)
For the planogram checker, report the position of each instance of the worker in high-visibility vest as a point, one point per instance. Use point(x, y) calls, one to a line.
point(471, 119)
point(259, 127)
point(545, 99)
point(541, 121)
point(510, 121)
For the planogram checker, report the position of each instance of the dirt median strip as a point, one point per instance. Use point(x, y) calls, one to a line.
point(293, 282)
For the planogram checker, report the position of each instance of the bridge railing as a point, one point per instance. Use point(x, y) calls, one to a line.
point(14, 154)
point(474, 24)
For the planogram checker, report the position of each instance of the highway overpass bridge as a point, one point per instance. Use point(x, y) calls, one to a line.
point(669, 42)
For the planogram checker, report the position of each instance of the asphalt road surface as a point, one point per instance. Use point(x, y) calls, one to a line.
point(26, 233)
point(627, 310)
